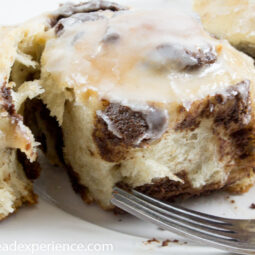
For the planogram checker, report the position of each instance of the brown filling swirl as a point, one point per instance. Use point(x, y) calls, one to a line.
point(69, 14)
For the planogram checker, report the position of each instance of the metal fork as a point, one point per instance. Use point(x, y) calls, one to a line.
point(237, 236)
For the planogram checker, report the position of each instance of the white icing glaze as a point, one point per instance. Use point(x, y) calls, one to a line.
point(129, 69)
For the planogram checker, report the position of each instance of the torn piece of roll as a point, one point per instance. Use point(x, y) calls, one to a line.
point(18, 166)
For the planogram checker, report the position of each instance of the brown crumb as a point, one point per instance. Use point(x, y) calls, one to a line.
point(153, 240)
point(167, 241)
point(232, 201)
point(252, 206)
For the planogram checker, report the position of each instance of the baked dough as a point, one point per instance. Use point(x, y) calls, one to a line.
point(233, 20)
point(17, 145)
point(132, 98)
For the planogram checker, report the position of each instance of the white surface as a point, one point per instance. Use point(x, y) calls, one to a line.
point(45, 223)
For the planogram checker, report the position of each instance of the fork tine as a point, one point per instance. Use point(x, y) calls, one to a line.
point(169, 224)
point(185, 212)
point(130, 203)
point(200, 223)
point(218, 231)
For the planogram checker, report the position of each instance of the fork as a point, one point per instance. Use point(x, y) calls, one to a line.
point(234, 235)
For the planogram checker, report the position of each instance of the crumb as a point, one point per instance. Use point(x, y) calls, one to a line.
point(185, 243)
point(167, 241)
point(252, 206)
point(152, 240)
point(232, 201)
point(227, 197)
point(161, 229)
point(119, 220)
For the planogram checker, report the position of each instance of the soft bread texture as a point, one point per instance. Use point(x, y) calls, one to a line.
point(140, 102)
point(233, 20)
point(17, 144)
point(204, 140)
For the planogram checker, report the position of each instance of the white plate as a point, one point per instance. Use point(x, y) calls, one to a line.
point(58, 230)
